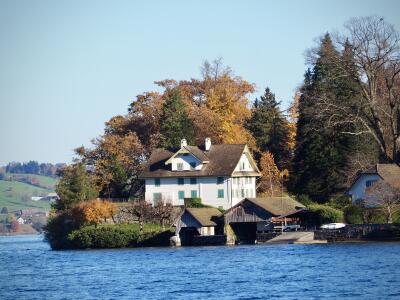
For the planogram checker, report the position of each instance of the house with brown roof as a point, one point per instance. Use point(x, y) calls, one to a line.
point(221, 175)
point(390, 173)
point(247, 221)
point(203, 219)
point(253, 215)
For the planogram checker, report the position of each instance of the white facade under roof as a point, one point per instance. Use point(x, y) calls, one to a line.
point(183, 175)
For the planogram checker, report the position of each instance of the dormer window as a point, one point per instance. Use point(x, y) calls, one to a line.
point(179, 166)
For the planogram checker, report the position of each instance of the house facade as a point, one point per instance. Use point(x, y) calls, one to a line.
point(390, 173)
point(221, 175)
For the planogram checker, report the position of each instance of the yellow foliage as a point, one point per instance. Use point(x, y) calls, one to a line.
point(94, 211)
point(217, 104)
point(292, 124)
point(126, 150)
point(270, 182)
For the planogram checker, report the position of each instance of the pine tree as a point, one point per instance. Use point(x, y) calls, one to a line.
point(175, 122)
point(74, 186)
point(321, 153)
point(269, 127)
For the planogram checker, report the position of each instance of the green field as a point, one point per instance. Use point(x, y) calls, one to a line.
point(17, 195)
point(44, 181)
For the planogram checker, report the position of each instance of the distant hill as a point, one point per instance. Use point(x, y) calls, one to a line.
point(17, 195)
point(41, 181)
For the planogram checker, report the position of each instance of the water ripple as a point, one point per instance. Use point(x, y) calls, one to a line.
point(30, 270)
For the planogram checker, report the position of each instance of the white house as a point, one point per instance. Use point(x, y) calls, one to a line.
point(221, 175)
point(387, 172)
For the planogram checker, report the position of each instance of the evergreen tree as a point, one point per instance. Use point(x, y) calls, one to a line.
point(269, 128)
point(322, 152)
point(74, 186)
point(175, 122)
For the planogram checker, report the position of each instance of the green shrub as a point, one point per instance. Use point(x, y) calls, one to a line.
point(325, 214)
point(340, 202)
point(353, 214)
point(104, 237)
point(119, 236)
point(57, 229)
point(374, 216)
point(304, 199)
point(194, 202)
point(396, 217)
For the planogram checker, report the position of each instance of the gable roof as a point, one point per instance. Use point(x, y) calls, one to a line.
point(204, 215)
point(195, 151)
point(390, 173)
point(276, 206)
point(222, 160)
point(198, 153)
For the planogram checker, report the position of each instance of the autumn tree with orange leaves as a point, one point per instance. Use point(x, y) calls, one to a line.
point(93, 212)
point(270, 181)
point(216, 104)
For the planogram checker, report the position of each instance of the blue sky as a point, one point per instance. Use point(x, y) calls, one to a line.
point(66, 67)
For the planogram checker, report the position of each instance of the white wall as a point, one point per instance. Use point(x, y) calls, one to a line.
point(208, 230)
point(244, 164)
point(243, 187)
point(357, 191)
point(207, 189)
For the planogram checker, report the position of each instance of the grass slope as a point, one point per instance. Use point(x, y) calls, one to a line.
point(44, 181)
point(16, 195)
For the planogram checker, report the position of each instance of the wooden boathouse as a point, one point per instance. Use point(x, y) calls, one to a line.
point(253, 216)
point(251, 220)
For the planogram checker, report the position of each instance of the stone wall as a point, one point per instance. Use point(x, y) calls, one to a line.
point(266, 236)
point(360, 232)
point(160, 240)
point(209, 240)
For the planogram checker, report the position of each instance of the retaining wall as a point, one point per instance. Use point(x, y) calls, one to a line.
point(360, 232)
point(266, 236)
point(209, 240)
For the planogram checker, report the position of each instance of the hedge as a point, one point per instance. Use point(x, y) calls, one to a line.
point(353, 214)
point(119, 236)
point(326, 214)
point(196, 203)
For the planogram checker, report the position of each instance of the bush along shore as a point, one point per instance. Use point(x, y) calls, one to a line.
point(119, 236)
point(79, 220)
point(86, 226)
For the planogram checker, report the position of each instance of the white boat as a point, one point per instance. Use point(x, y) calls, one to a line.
point(333, 226)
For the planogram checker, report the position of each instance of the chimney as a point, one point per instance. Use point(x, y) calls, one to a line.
point(207, 144)
point(183, 143)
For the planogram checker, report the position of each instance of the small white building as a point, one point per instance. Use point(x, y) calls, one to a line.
point(387, 172)
point(221, 175)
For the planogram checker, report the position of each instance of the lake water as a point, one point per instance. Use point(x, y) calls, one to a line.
point(30, 270)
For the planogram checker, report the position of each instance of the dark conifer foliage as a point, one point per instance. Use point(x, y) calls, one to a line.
point(269, 128)
point(322, 152)
point(175, 122)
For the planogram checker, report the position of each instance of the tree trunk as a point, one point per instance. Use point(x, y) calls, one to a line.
point(389, 218)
